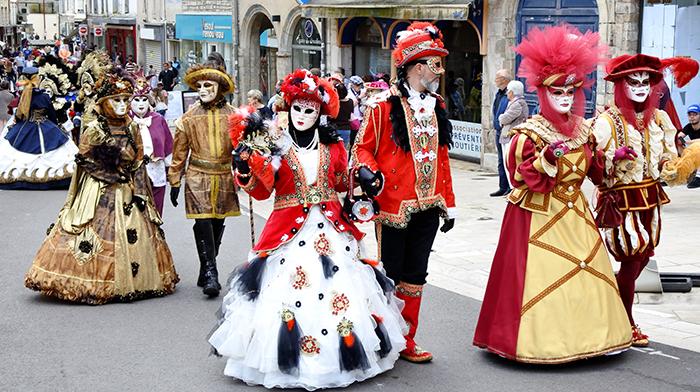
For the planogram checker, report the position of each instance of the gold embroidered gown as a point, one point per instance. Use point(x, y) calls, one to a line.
point(106, 244)
point(551, 295)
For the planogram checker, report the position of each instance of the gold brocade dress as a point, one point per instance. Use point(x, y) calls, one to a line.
point(551, 296)
point(107, 244)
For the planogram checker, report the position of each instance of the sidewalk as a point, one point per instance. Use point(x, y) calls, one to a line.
point(461, 259)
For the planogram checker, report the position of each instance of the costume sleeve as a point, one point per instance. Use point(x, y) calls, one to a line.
point(669, 139)
point(526, 167)
point(603, 134)
point(261, 182)
point(447, 179)
point(99, 156)
point(181, 149)
point(367, 141)
point(340, 168)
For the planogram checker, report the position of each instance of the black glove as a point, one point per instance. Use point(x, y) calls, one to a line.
point(448, 224)
point(370, 182)
point(240, 163)
point(174, 193)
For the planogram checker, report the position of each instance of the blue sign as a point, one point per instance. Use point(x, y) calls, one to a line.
point(212, 28)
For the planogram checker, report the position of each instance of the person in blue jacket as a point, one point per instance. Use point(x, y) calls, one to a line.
point(499, 106)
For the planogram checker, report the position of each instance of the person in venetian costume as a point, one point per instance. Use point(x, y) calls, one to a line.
point(89, 70)
point(637, 141)
point(35, 153)
point(401, 156)
point(107, 244)
point(551, 296)
point(203, 145)
point(306, 311)
point(157, 139)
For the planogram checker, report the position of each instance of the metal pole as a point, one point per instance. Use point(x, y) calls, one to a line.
point(236, 45)
point(43, 13)
point(252, 221)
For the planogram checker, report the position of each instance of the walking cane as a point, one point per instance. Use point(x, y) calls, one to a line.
point(252, 221)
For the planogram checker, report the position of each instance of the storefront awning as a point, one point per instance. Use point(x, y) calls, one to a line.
point(395, 9)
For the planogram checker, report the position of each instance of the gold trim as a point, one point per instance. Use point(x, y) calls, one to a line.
point(210, 215)
point(576, 357)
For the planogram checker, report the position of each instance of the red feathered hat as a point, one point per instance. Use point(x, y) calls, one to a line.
point(302, 84)
point(419, 40)
point(558, 56)
point(627, 64)
point(683, 68)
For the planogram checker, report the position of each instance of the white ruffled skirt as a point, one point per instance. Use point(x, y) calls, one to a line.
point(333, 317)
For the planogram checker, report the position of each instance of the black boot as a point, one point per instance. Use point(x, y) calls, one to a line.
point(206, 247)
point(199, 233)
point(218, 226)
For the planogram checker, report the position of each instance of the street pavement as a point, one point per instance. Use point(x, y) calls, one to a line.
point(160, 344)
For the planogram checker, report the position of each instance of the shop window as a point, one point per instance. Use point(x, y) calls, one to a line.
point(368, 56)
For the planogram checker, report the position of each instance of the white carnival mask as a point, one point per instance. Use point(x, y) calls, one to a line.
point(638, 86)
point(140, 105)
point(561, 98)
point(304, 113)
point(207, 90)
point(120, 105)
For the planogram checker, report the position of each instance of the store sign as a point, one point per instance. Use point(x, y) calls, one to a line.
point(466, 139)
point(211, 28)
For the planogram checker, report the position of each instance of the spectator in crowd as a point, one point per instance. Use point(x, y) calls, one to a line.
point(342, 120)
point(255, 99)
point(456, 96)
point(151, 75)
point(176, 64)
point(276, 99)
point(499, 106)
point(691, 133)
point(167, 77)
point(19, 62)
point(130, 66)
point(5, 98)
point(516, 111)
point(339, 73)
point(315, 72)
point(160, 97)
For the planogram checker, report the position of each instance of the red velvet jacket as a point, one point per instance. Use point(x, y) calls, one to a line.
point(294, 199)
point(410, 184)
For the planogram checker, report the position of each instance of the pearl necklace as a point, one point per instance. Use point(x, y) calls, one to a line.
point(312, 146)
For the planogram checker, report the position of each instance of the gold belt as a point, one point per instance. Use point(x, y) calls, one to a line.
point(210, 165)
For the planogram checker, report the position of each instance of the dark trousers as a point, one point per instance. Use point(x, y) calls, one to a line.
point(503, 183)
point(405, 252)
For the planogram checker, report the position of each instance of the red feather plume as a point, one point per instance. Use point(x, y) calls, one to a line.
point(237, 123)
point(684, 69)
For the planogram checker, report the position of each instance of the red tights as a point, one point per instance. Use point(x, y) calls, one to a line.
point(626, 277)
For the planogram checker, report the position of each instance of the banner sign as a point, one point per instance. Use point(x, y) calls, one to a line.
point(466, 138)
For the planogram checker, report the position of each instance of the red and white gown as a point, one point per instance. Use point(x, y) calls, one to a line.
point(306, 311)
point(551, 296)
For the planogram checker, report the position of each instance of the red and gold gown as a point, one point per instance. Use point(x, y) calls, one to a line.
point(551, 295)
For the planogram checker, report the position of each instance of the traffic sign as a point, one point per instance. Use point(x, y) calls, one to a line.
point(98, 31)
point(83, 29)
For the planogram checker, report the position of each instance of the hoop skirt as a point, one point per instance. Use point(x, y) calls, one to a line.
point(306, 311)
point(35, 153)
point(106, 244)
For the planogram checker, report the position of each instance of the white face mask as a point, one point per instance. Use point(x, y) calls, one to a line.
point(140, 105)
point(561, 98)
point(207, 90)
point(304, 114)
point(120, 105)
point(637, 87)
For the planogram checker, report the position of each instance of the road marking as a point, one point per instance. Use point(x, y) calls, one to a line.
point(651, 351)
